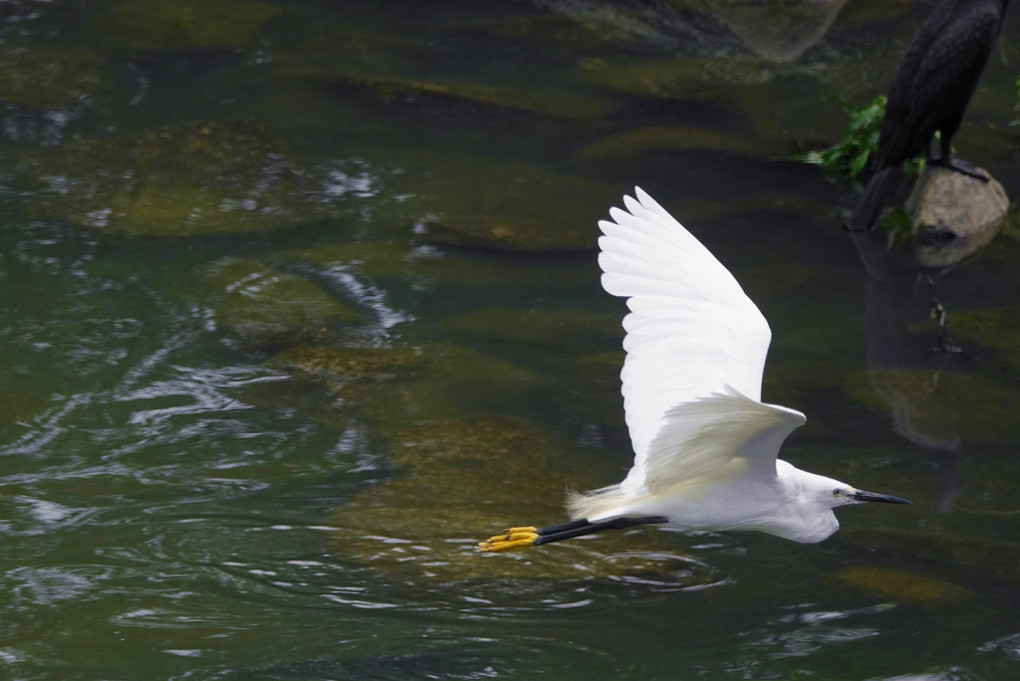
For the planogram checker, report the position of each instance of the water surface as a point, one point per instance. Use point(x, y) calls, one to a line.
point(298, 301)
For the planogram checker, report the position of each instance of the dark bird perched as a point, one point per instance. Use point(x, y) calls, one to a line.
point(930, 92)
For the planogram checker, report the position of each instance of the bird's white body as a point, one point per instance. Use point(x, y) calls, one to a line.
point(705, 445)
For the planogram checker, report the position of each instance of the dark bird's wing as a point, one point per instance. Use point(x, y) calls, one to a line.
point(895, 142)
point(948, 75)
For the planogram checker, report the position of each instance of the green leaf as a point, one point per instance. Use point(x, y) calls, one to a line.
point(850, 155)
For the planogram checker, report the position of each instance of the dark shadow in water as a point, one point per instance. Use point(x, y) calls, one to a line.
point(911, 356)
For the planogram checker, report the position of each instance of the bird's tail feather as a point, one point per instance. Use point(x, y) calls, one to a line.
point(876, 194)
point(595, 505)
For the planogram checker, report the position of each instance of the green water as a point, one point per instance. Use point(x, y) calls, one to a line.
point(298, 301)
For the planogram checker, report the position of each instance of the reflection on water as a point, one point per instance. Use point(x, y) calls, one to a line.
point(298, 303)
point(928, 381)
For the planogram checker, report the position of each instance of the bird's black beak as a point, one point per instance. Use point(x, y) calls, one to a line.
point(861, 495)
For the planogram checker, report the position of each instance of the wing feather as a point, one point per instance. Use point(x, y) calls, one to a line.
point(691, 333)
point(699, 437)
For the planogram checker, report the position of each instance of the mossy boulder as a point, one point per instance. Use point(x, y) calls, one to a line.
point(40, 78)
point(198, 178)
point(260, 307)
point(187, 24)
point(462, 479)
point(507, 206)
point(901, 585)
point(338, 366)
point(392, 386)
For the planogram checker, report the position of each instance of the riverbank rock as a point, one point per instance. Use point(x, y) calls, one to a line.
point(953, 215)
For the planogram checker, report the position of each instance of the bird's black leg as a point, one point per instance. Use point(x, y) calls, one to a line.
point(579, 528)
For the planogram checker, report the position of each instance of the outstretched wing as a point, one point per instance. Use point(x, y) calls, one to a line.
point(697, 438)
point(700, 436)
point(691, 332)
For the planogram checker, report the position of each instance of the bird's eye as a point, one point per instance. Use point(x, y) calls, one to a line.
point(836, 492)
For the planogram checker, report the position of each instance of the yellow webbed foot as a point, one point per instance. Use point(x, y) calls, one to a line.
point(512, 538)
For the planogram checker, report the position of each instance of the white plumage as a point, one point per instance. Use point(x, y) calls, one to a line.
point(691, 332)
point(696, 348)
point(705, 445)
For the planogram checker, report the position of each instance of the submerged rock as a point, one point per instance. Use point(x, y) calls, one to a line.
point(576, 330)
point(380, 258)
point(663, 138)
point(982, 563)
point(198, 178)
point(338, 366)
point(953, 215)
point(259, 307)
point(392, 386)
point(679, 77)
point(18, 405)
point(507, 206)
point(390, 68)
point(424, 267)
point(188, 24)
point(39, 78)
point(901, 585)
point(390, 87)
point(461, 479)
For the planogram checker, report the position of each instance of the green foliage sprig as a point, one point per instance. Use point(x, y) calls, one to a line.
point(851, 154)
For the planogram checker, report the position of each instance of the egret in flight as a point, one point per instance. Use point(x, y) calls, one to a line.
point(705, 444)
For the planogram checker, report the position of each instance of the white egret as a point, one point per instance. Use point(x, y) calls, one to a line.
point(705, 445)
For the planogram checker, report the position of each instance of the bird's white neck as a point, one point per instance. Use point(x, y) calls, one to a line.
point(805, 517)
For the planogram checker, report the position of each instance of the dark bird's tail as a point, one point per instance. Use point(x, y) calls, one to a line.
point(881, 185)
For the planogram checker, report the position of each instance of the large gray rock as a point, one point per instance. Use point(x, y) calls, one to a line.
point(781, 30)
point(953, 215)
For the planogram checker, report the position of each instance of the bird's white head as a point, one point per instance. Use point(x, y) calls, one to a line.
point(812, 497)
point(830, 493)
